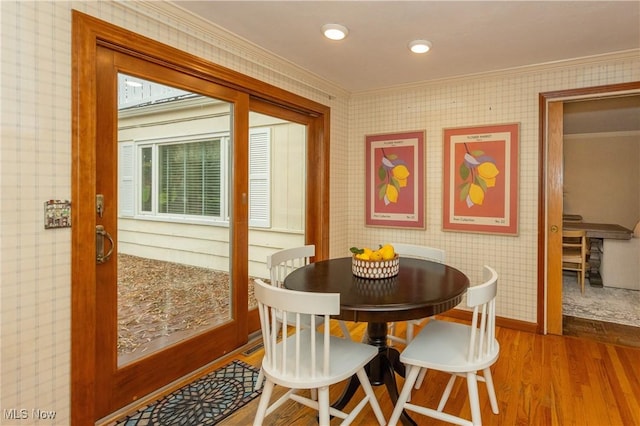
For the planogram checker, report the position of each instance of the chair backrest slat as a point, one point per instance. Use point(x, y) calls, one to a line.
point(273, 302)
point(482, 299)
point(283, 262)
point(419, 252)
point(573, 240)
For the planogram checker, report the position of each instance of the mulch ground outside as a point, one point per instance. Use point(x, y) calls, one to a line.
point(158, 300)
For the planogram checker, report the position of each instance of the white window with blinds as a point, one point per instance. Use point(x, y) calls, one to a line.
point(187, 180)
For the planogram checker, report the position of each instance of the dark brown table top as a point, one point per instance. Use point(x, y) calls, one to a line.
point(422, 288)
point(601, 230)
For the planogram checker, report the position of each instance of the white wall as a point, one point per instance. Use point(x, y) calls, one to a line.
point(35, 159)
point(602, 177)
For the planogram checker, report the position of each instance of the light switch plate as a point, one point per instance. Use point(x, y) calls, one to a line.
point(57, 214)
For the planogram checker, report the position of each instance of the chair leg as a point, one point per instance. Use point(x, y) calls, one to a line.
point(259, 379)
point(391, 330)
point(409, 332)
point(323, 406)
point(410, 379)
point(264, 404)
point(488, 379)
point(345, 330)
point(447, 391)
point(423, 373)
point(368, 390)
point(474, 401)
point(578, 278)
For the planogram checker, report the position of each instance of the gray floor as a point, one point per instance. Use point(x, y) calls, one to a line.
point(603, 304)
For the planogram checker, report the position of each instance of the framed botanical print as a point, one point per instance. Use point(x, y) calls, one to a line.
point(395, 180)
point(481, 179)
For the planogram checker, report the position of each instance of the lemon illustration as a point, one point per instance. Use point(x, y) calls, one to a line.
point(476, 194)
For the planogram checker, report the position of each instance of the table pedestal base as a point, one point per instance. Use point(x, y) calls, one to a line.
point(381, 370)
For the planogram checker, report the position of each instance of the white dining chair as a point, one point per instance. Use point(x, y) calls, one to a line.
point(458, 349)
point(281, 264)
point(416, 252)
point(306, 358)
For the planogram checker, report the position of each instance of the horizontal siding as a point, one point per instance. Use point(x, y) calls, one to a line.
point(204, 246)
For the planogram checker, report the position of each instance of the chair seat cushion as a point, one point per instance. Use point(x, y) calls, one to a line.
point(347, 357)
point(442, 345)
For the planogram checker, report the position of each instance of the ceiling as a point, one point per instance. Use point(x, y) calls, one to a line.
point(469, 37)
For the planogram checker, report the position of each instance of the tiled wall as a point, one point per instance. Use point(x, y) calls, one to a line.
point(35, 154)
point(35, 160)
point(498, 98)
point(35, 157)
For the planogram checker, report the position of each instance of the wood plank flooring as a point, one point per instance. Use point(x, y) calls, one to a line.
point(601, 331)
point(539, 380)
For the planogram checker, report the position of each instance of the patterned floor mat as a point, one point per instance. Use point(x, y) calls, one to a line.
point(205, 401)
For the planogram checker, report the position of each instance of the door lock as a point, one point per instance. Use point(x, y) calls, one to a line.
point(101, 233)
point(99, 204)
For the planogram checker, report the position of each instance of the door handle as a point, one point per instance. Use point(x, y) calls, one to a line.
point(101, 233)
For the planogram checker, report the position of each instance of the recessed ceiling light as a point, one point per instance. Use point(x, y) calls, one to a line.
point(420, 46)
point(335, 31)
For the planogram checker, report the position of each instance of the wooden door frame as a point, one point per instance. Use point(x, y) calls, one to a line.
point(87, 34)
point(550, 184)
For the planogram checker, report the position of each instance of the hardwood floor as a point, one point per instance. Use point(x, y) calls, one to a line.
point(539, 380)
point(601, 331)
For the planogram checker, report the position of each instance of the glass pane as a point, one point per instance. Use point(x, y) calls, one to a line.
point(173, 231)
point(277, 183)
point(190, 178)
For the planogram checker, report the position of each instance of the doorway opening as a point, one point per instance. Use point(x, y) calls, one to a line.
point(552, 198)
point(601, 184)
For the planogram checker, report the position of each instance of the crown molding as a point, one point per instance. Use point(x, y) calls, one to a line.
point(631, 54)
point(172, 15)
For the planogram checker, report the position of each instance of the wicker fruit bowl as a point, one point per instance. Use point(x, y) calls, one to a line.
point(375, 269)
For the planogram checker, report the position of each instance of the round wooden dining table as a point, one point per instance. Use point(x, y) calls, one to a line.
point(421, 289)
